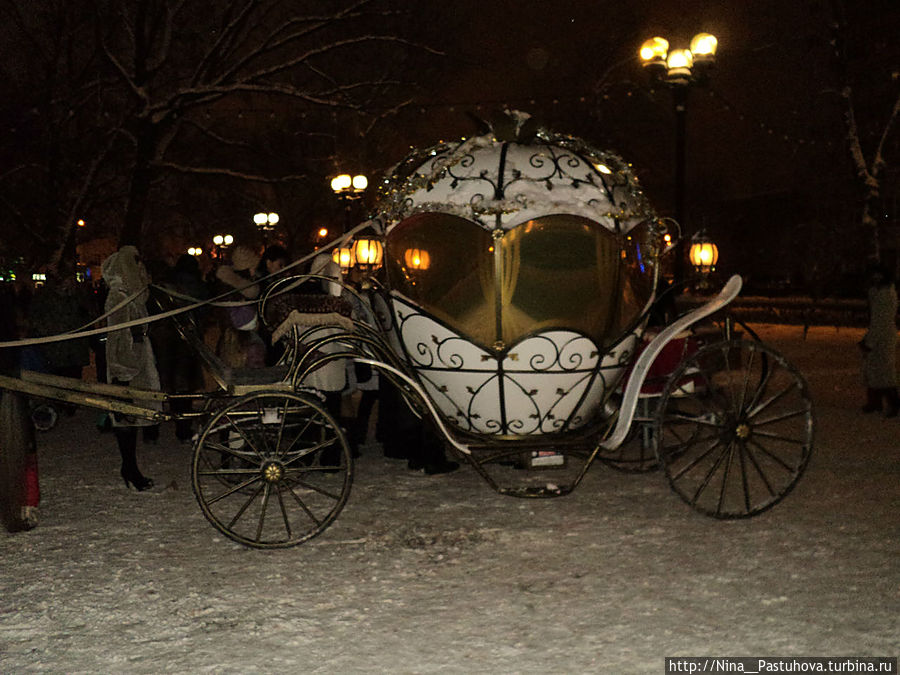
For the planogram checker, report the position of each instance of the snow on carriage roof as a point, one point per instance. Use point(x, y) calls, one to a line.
point(502, 182)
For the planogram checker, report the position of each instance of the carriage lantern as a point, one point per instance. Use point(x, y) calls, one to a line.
point(704, 254)
point(367, 254)
point(343, 256)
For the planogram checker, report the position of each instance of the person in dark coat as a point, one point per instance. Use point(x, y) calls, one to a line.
point(403, 435)
point(18, 503)
point(9, 329)
point(180, 371)
point(56, 308)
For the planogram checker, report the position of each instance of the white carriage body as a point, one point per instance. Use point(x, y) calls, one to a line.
point(520, 274)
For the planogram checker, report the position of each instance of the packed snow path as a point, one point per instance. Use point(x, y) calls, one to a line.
point(425, 574)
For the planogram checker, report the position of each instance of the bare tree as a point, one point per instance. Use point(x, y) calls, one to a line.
point(49, 163)
point(863, 39)
point(189, 88)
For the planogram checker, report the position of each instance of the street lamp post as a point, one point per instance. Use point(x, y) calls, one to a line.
point(680, 69)
point(266, 222)
point(348, 188)
point(222, 241)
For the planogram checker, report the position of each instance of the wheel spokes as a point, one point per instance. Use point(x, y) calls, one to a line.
point(738, 443)
point(236, 488)
point(245, 506)
point(760, 473)
point(290, 446)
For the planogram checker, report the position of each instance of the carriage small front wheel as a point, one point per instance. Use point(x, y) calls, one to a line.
point(734, 428)
point(272, 469)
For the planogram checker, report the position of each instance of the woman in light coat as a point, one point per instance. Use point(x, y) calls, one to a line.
point(129, 355)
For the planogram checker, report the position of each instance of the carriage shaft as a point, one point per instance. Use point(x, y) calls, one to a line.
point(88, 394)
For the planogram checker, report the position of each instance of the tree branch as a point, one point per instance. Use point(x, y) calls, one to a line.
point(211, 171)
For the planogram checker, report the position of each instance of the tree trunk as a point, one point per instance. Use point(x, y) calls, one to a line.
point(139, 190)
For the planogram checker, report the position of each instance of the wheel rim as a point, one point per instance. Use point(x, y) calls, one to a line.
point(735, 429)
point(272, 470)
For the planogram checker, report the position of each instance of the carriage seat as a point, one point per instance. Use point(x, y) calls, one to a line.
point(240, 381)
point(673, 353)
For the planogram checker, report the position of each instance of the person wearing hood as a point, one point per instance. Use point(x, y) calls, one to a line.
point(129, 355)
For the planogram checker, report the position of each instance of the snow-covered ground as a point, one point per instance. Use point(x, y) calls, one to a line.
point(424, 574)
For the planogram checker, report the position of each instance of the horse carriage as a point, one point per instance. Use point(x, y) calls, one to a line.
point(514, 313)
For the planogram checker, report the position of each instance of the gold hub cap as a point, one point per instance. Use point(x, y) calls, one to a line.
point(742, 431)
point(273, 472)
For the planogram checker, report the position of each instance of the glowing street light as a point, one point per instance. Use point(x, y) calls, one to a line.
point(266, 222)
point(350, 187)
point(680, 69)
point(222, 241)
point(679, 66)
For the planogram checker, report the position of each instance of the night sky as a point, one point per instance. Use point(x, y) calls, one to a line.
point(767, 133)
point(745, 130)
point(768, 129)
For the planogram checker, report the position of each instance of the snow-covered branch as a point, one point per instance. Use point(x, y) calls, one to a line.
point(211, 171)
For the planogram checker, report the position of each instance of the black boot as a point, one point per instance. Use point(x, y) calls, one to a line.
point(359, 429)
point(892, 401)
point(151, 434)
point(429, 455)
point(873, 400)
point(127, 441)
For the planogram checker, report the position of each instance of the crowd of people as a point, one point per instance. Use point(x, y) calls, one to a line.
point(152, 355)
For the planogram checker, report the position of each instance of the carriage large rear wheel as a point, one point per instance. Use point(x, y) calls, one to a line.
point(272, 469)
point(737, 439)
